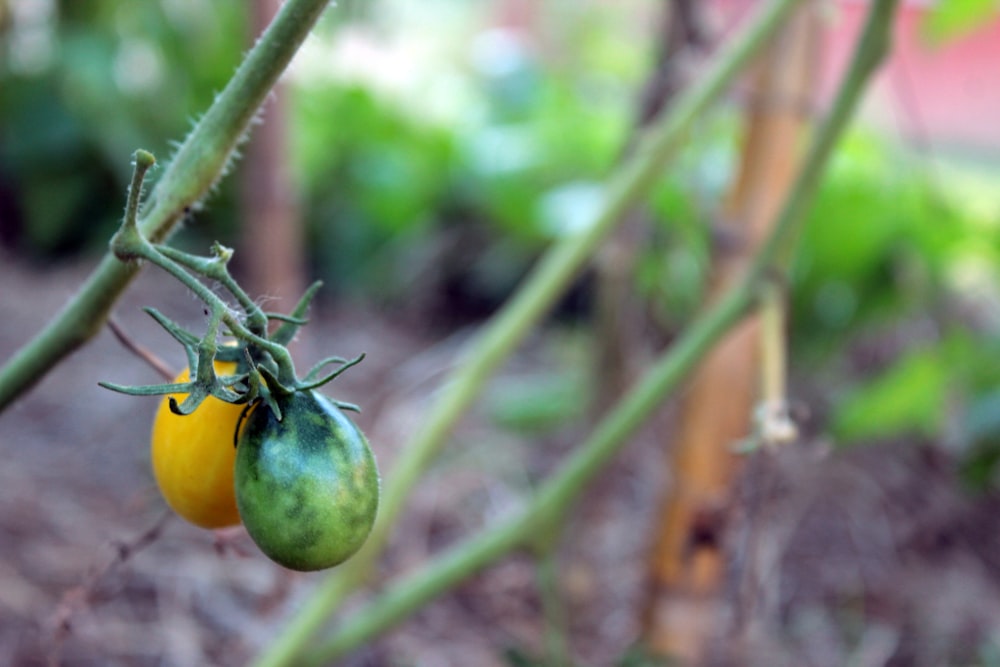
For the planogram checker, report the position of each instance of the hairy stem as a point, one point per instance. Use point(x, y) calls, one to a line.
point(173, 262)
point(630, 183)
point(559, 491)
point(143, 161)
point(199, 163)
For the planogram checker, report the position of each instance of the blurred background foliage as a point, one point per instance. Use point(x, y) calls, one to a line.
point(434, 151)
point(84, 84)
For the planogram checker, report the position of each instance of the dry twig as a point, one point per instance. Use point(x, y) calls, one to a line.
point(140, 351)
point(83, 595)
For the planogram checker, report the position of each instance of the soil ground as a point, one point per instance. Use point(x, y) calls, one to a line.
point(868, 557)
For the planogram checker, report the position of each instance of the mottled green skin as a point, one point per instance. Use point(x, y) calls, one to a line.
point(307, 487)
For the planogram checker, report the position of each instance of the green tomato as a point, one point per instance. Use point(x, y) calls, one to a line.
point(307, 486)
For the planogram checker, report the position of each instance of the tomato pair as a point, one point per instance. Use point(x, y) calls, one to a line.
point(306, 487)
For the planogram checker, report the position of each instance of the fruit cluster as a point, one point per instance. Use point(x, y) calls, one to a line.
point(238, 437)
point(306, 486)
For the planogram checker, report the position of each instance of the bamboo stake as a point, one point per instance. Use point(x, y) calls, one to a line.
point(686, 563)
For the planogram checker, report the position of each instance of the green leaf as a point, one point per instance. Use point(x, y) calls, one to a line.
point(908, 398)
point(951, 19)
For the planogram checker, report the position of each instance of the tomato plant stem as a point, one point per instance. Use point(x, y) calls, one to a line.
point(128, 243)
point(198, 164)
point(552, 499)
point(143, 161)
point(216, 268)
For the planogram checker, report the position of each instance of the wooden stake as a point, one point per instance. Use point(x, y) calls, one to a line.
point(687, 564)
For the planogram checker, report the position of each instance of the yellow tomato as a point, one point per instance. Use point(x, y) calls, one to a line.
point(194, 457)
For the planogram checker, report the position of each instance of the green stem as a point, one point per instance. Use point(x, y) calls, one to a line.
point(559, 491)
point(629, 184)
point(144, 161)
point(140, 248)
point(206, 152)
point(216, 268)
point(554, 611)
point(405, 597)
point(474, 554)
point(199, 163)
point(174, 262)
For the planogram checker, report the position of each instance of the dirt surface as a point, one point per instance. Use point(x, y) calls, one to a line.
point(870, 557)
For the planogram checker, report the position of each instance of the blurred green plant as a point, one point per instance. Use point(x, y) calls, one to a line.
point(880, 244)
point(83, 86)
point(375, 180)
point(382, 180)
point(377, 176)
point(894, 304)
point(948, 20)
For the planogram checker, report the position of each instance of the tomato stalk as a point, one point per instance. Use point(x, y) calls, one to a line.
point(270, 369)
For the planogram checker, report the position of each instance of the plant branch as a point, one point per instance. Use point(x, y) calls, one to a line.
point(629, 184)
point(199, 163)
point(141, 351)
point(128, 244)
point(550, 502)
